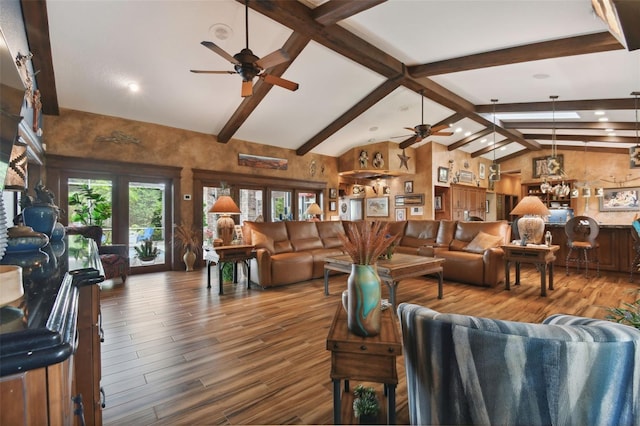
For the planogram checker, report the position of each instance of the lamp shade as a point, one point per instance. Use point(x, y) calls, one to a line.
point(313, 209)
point(16, 178)
point(531, 226)
point(530, 205)
point(224, 204)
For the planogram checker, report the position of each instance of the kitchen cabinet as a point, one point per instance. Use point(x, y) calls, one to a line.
point(467, 201)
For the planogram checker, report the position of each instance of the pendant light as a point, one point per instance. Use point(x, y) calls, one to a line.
point(634, 151)
point(494, 168)
point(553, 163)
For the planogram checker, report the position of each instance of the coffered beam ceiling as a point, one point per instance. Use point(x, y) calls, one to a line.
point(336, 10)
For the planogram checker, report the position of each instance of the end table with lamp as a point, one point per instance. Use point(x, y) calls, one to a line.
point(229, 254)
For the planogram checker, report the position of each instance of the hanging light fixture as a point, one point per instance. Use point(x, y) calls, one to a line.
point(16, 178)
point(634, 151)
point(553, 162)
point(494, 168)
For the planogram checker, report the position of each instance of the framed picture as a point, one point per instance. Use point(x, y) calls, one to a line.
point(332, 206)
point(333, 193)
point(377, 207)
point(443, 174)
point(416, 211)
point(401, 214)
point(540, 166)
point(481, 171)
point(619, 200)
point(408, 187)
point(466, 176)
point(406, 200)
point(437, 202)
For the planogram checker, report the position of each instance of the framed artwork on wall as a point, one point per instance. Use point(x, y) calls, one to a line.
point(401, 214)
point(481, 171)
point(406, 200)
point(332, 206)
point(437, 202)
point(443, 174)
point(377, 207)
point(466, 176)
point(333, 193)
point(408, 187)
point(619, 200)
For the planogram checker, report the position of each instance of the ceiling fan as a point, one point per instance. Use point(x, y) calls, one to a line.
point(249, 65)
point(422, 131)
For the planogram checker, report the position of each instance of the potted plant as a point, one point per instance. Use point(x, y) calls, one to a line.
point(630, 316)
point(365, 242)
point(188, 239)
point(366, 405)
point(146, 251)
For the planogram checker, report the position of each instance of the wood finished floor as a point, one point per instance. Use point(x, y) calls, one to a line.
point(177, 353)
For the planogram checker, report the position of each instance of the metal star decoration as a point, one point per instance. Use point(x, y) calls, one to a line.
point(404, 160)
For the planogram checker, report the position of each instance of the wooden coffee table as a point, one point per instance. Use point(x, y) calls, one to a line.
point(390, 271)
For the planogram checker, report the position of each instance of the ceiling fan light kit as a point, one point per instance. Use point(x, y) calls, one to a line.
point(250, 66)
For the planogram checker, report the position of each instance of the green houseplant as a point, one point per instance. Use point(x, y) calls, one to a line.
point(629, 315)
point(146, 251)
point(365, 405)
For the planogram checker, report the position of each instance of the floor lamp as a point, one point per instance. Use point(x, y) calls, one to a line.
point(225, 207)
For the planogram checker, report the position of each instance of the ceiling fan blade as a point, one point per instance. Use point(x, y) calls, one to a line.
point(272, 59)
point(411, 129)
point(217, 49)
point(247, 88)
point(286, 84)
point(411, 140)
point(212, 72)
point(442, 134)
point(438, 128)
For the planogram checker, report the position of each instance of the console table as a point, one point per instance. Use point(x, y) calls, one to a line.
point(539, 255)
point(232, 254)
point(370, 359)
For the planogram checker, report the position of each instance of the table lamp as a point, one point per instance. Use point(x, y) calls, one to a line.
point(531, 224)
point(225, 207)
point(314, 210)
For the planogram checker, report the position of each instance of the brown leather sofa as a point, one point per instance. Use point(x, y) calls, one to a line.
point(290, 252)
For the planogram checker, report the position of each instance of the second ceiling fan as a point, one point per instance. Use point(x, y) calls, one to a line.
point(249, 65)
point(422, 131)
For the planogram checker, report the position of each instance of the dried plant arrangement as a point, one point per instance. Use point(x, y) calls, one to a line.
point(366, 241)
point(188, 238)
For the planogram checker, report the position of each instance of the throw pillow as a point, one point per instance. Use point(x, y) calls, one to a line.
point(483, 241)
point(260, 240)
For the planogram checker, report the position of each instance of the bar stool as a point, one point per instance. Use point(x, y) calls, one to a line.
point(582, 232)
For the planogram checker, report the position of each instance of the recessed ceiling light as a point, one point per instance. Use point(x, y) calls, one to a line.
point(134, 87)
point(371, 140)
point(611, 134)
point(467, 133)
point(541, 76)
point(503, 148)
point(221, 31)
point(603, 119)
point(404, 108)
point(599, 112)
point(373, 128)
point(458, 130)
point(608, 130)
point(483, 140)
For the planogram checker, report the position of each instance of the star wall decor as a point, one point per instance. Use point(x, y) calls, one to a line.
point(404, 160)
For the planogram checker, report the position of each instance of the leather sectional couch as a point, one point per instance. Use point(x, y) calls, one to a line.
point(291, 251)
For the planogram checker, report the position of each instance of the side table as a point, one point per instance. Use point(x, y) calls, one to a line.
point(232, 254)
point(539, 255)
point(370, 359)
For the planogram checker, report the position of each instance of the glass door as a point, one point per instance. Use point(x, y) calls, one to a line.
point(148, 236)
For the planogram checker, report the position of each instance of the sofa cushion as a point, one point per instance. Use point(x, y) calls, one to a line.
point(263, 241)
point(466, 231)
point(276, 231)
point(446, 230)
point(303, 235)
point(483, 241)
point(329, 231)
point(420, 233)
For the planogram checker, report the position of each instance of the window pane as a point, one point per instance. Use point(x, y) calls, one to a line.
point(305, 199)
point(281, 206)
point(251, 205)
point(90, 204)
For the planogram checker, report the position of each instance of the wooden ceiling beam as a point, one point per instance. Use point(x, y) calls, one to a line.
point(336, 10)
point(583, 138)
point(616, 125)
point(367, 102)
point(579, 45)
point(294, 45)
point(36, 22)
point(575, 105)
point(469, 139)
point(491, 148)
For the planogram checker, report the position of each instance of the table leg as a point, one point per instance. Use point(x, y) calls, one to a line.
point(248, 263)
point(550, 275)
point(326, 282)
point(391, 405)
point(543, 279)
point(440, 285)
point(235, 272)
point(221, 291)
point(392, 293)
point(208, 274)
point(507, 267)
point(336, 402)
point(517, 273)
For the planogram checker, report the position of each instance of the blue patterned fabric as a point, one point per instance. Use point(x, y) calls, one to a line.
point(566, 371)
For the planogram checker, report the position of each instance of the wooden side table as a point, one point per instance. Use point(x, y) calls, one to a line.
point(370, 359)
point(232, 254)
point(539, 255)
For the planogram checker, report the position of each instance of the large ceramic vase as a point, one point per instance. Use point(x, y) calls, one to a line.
point(363, 313)
point(42, 218)
point(189, 259)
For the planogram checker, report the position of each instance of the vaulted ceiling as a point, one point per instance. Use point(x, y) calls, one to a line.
point(360, 65)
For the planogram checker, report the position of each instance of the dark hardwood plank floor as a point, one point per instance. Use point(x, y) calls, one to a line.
point(176, 352)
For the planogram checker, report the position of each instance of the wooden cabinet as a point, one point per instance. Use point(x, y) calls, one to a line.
point(504, 204)
point(467, 201)
point(548, 197)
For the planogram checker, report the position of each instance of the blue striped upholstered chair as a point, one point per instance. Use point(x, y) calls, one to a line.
point(566, 371)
